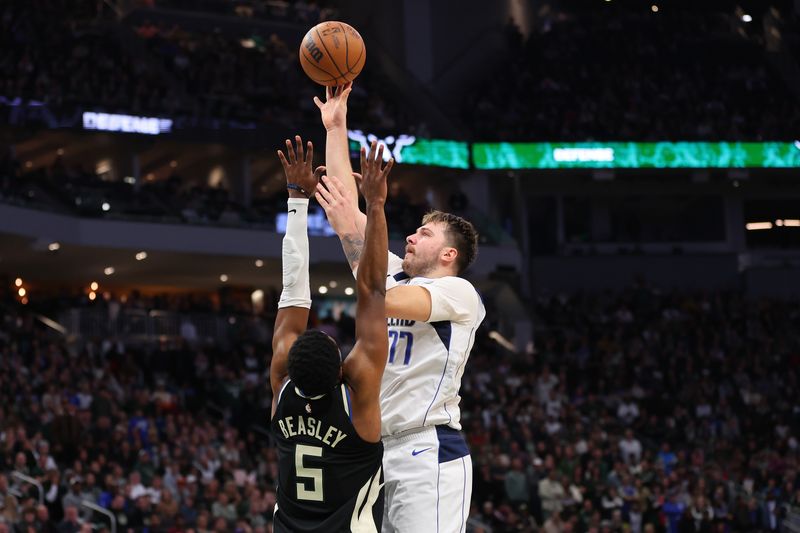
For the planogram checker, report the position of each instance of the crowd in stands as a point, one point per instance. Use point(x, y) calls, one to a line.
point(617, 74)
point(641, 411)
point(74, 55)
point(298, 11)
point(71, 188)
point(578, 76)
point(56, 52)
point(637, 411)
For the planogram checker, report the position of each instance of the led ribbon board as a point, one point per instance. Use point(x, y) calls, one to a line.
point(415, 151)
point(636, 155)
point(126, 123)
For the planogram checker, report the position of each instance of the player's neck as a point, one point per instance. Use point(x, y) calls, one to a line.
point(436, 272)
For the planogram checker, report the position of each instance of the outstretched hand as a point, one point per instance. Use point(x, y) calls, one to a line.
point(341, 214)
point(298, 166)
point(334, 108)
point(372, 179)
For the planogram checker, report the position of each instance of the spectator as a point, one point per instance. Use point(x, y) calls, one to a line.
point(552, 494)
point(71, 522)
point(9, 505)
point(516, 484)
point(630, 449)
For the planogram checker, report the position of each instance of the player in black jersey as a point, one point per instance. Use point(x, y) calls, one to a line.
point(326, 415)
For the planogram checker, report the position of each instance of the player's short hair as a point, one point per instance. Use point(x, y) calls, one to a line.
point(461, 235)
point(314, 363)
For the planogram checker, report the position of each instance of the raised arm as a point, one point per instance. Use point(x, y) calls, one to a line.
point(295, 301)
point(363, 368)
point(337, 153)
point(345, 219)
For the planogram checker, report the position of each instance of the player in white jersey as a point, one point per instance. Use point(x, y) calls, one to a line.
point(432, 315)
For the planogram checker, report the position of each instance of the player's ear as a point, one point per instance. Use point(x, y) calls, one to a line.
point(449, 254)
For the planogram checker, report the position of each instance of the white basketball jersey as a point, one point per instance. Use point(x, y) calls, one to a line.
point(427, 359)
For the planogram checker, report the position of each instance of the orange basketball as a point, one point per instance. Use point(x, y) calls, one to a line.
point(332, 53)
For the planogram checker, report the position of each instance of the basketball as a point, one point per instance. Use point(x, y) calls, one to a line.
point(332, 53)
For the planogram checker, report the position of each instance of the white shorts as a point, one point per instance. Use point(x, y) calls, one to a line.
point(428, 476)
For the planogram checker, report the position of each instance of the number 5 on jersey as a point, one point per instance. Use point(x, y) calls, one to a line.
point(314, 474)
point(396, 337)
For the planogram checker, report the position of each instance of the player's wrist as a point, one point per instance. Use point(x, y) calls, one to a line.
point(296, 191)
point(336, 127)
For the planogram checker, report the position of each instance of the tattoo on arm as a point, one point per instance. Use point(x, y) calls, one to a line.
point(353, 244)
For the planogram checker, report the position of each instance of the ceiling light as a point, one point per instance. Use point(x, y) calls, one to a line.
point(18, 282)
point(348, 291)
point(332, 284)
point(53, 246)
point(94, 286)
point(751, 226)
point(141, 256)
point(747, 18)
point(223, 278)
point(323, 289)
point(92, 295)
point(108, 271)
point(106, 206)
point(259, 263)
point(654, 8)
point(21, 292)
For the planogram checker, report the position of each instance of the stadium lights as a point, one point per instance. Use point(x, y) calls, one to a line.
point(348, 291)
point(747, 18)
point(223, 278)
point(141, 256)
point(108, 271)
point(53, 246)
point(754, 226)
point(323, 289)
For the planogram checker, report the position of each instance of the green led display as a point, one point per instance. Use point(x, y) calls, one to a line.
point(431, 152)
point(438, 153)
point(636, 155)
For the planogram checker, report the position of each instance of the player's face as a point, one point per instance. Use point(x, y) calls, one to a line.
point(424, 248)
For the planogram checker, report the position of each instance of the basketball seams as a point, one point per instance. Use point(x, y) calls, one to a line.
point(310, 62)
point(346, 49)
point(330, 56)
point(358, 59)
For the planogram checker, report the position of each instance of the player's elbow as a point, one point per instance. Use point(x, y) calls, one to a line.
point(371, 285)
point(375, 345)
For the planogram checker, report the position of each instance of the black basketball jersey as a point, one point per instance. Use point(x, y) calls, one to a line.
point(329, 479)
